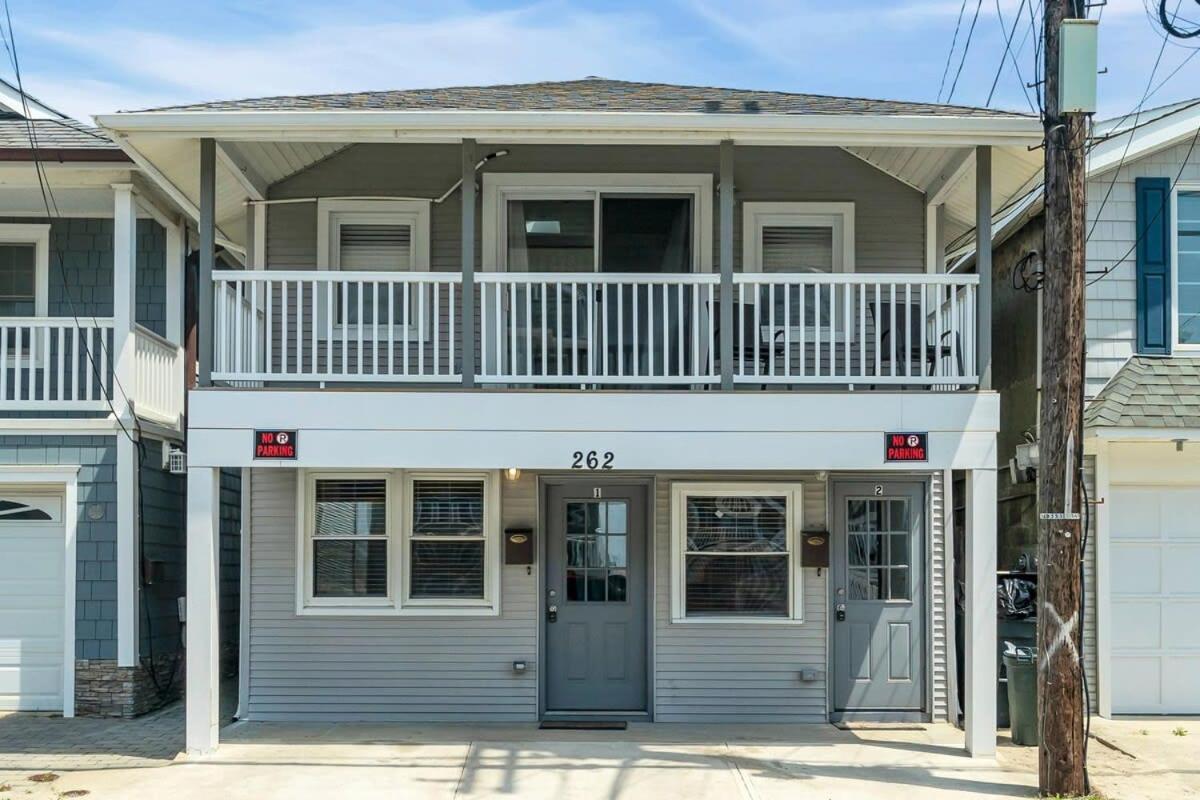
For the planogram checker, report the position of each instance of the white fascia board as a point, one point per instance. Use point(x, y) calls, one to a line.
point(507, 125)
point(1154, 137)
point(644, 430)
point(1143, 434)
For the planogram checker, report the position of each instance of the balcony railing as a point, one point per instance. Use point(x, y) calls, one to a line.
point(572, 329)
point(158, 377)
point(55, 364)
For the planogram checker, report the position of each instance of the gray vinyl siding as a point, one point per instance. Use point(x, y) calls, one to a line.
point(95, 532)
point(1112, 300)
point(740, 672)
point(229, 607)
point(1090, 662)
point(459, 668)
point(939, 631)
point(163, 505)
point(889, 215)
point(386, 669)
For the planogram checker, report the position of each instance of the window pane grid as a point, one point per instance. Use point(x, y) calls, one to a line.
point(1188, 276)
point(879, 545)
point(597, 551)
point(447, 547)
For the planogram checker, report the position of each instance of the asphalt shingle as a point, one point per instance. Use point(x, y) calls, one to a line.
point(51, 134)
point(1149, 392)
point(593, 94)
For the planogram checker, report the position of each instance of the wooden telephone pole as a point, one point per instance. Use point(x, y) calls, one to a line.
point(1060, 683)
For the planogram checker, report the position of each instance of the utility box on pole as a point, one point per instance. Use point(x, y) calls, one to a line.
point(1078, 65)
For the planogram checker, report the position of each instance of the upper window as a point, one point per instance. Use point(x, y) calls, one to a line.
point(1188, 272)
point(370, 547)
point(24, 270)
point(798, 237)
point(735, 553)
point(373, 235)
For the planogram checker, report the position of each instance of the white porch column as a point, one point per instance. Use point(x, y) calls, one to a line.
point(124, 315)
point(203, 684)
point(979, 673)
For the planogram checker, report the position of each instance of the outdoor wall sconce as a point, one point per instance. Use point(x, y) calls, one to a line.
point(512, 473)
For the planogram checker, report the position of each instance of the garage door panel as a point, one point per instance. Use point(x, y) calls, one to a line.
point(1182, 620)
point(1136, 569)
point(1181, 686)
point(1181, 569)
point(1139, 679)
point(1137, 625)
point(1137, 516)
point(36, 559)
point(1180, 513)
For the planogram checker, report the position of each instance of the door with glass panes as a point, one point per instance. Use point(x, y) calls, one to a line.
point(594, 609)
point(878, 596)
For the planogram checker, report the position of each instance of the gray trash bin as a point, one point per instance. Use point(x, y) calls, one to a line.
point(1020, 663)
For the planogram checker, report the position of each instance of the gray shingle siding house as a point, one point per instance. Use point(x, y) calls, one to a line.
point(592, 397)
point(1142, 419)
point(92, 549)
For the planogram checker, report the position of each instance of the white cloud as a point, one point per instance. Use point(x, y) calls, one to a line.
point(538, 42)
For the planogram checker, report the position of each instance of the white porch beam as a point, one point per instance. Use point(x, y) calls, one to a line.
point(124, 312)
point(983, 262)
point(935, 255)
point(979, 673)
point(949, 177)
point(253, 183)
point(1101, 583)
point(203, 692)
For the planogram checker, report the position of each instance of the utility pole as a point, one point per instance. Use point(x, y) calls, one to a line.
point(1060, 684)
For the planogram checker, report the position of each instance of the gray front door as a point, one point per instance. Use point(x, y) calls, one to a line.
point(878, 590)
point(595, 603)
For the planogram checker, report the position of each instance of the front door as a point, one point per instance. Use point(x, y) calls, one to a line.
point(595, 597)
point(878, 590)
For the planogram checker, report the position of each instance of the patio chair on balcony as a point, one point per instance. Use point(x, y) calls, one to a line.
point(907, 349)
point(750, 346)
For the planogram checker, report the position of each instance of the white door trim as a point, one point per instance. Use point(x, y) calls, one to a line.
point(68, 478)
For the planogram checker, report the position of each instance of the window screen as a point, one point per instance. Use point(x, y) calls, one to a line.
point(447, 543)
point(349, 538)
point(371, 246)
point(17, 280)
point(737, 561)
point(1189, 268)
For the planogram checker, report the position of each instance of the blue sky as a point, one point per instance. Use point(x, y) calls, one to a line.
point(94, 56)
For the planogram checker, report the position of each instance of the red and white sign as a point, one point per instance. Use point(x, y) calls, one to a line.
point(275, 444)
point(906, 446)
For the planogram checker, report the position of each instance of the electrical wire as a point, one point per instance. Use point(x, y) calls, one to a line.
point(966, 49)
point(1169, 25)
point(1008, 54)
point(953, 44)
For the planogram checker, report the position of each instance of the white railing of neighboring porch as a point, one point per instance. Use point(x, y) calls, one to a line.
point(158, 377)
point(589, 329)
point(55, 364)
point(337, 326)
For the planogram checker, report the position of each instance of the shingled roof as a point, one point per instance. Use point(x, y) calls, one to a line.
point(1149, 393)
point(51, 134)
point(593, 94)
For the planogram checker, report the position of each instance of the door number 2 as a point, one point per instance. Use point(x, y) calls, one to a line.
point(592, 459)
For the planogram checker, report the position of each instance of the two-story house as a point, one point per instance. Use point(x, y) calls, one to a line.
point(592, 400)
point(1142, 419)
point(91, 403)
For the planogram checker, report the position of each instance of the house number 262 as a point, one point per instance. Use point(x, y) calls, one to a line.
point(592, 460)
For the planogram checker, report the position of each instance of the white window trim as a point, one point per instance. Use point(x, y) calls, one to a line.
point(491, 547)
point(1177, 346)
point(37, 235)
point(414, 213)
point(679, 494)
point(399, 516)
point(500, 187)
point(837, 216)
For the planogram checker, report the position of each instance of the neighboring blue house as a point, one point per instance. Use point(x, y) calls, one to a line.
point(1142, 421)
point(92, 369)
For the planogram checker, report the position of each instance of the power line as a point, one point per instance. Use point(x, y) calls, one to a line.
point(1008, 53)
point(953, 44)
point(966, 50)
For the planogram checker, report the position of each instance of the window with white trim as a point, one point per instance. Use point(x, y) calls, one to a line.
point(24, 270)
point(1187, 236)
point(399, 543)
point(735, 553)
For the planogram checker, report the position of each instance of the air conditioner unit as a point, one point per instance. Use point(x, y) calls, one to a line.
point(178, 461)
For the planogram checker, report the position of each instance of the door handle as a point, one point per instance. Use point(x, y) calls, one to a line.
point(840, 611)
point(551, 613)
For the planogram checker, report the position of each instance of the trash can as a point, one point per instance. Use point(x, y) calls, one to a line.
point(1021, 665)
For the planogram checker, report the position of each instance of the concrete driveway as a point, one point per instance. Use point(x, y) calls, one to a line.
point(726, 762)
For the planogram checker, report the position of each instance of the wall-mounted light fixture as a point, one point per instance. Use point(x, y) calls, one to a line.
point(512, 473)
point(1179, 444)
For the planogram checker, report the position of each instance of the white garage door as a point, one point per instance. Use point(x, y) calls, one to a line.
point(32, 545)
point(1155, 600)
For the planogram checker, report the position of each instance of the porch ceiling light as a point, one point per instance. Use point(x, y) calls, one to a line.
point(512, 473)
